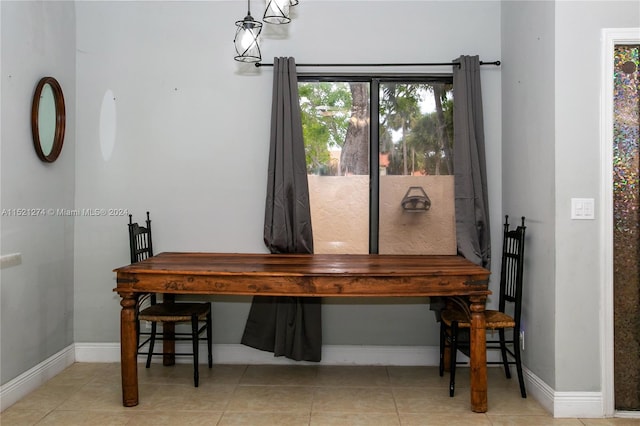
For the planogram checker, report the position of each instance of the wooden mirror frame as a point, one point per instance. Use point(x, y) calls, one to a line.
point(60, 117)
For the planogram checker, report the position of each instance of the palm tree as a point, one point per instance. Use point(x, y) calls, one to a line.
point(355, 151)
point(400, 108)
point(445, 136)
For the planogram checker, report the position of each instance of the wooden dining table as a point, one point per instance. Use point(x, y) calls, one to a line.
point(305, 275)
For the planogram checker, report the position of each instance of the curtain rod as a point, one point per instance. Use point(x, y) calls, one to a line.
point(432, 64)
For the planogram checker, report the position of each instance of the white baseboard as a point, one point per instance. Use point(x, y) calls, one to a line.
point(564, 404)
point(578, 404)
point(560, 404)
point(628, 414)
point(241, 354)
point(97, 352)
point(539, 390)
point(14, 390)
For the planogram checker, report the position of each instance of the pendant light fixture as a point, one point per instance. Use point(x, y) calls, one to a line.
point(246, 40)
point(277, 11)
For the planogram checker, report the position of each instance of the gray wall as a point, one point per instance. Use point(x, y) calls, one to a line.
point(36, 316)
point(578, 79)
point(191, 147)
point(551, 80)
point(528, 158)
point(192, 136)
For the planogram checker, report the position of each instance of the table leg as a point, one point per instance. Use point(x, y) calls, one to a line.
point(478, 355)
point(128, 350)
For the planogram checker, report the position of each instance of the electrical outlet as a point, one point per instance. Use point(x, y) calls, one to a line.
point(522, 339)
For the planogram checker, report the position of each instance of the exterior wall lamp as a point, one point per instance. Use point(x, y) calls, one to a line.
point(416, 200)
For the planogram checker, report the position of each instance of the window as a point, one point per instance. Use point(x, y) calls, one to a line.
point(372, 143)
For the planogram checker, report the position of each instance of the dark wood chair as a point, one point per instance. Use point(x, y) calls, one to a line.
point(167, 312)
point(456, 317)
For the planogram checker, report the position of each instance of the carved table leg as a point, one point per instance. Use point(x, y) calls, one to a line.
point(128, 349)
point(478, 355)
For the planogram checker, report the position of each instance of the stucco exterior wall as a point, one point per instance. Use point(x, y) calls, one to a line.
point(339, 205)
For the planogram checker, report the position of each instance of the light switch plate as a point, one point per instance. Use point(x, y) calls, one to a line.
point(583, 208)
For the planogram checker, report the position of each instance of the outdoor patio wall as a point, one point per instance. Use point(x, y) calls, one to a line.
point(340, 212)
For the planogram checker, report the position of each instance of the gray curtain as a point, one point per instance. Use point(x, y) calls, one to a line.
point(469, 165)
point(286, 326)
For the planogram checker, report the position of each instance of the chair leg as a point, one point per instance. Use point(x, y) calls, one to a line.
point(152, 342)
point(194, 335)
point(503, 350)
point(441, 363)
point(209, 337)
point(442, 344)
point(453, 347)
point(516, 353)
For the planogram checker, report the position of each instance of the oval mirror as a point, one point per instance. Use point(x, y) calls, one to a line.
point(48, 119)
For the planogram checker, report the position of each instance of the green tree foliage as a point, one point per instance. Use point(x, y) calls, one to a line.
point(425, 140)
point(325, 110)
point(399, 110)
point(431, 141)
point(334, 116)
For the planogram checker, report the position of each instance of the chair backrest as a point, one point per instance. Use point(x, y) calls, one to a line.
point(511, 270)
point(140, 243)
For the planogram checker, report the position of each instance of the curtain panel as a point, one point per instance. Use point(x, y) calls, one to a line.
point(470, 170)
point(469, 164)
point(286, 326)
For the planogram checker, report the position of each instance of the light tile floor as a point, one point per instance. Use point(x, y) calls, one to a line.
point(90, 394)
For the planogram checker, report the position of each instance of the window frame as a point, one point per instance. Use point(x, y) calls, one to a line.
point(375, 80)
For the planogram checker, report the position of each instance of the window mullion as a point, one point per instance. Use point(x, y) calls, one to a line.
point(374, 165)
